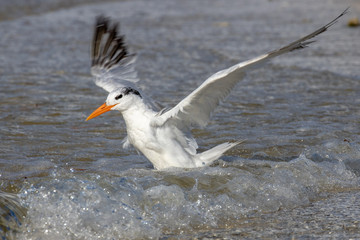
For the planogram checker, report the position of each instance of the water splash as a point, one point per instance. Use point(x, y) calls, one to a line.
point(142, 203)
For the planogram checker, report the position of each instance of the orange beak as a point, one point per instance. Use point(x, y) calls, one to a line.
point(102, 109)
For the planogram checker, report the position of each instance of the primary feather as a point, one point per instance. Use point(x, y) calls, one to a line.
point(111, 65)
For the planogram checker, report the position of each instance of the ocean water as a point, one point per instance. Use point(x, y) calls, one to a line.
point(296, 176)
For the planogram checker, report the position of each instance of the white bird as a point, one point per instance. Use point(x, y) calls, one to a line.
point(164, 136)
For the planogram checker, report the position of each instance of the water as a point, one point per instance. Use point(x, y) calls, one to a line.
point(295, 176)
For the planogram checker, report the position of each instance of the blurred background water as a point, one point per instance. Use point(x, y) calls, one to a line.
point(295, 176)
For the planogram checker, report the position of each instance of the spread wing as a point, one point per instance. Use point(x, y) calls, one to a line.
point(197, 107)
point(111, 65)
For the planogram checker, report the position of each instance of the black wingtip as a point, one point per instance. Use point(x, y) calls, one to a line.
point(108, 47)
point(306, 41)
point(346, 11)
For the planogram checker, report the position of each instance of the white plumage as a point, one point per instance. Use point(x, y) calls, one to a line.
point(164, 137)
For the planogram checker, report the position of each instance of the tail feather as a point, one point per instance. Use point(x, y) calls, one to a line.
point(209, 156)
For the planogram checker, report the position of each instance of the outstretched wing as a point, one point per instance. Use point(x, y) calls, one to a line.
point(197, 107)
point(111, 65)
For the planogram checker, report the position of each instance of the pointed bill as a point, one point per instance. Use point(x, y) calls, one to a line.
point(102, 109)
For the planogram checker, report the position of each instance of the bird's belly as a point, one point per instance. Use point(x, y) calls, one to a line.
point(161, 147)
point(165, 155)
point(167, 158)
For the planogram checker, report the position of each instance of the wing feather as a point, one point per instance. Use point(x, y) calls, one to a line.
point(111, 64)
point(198, 106)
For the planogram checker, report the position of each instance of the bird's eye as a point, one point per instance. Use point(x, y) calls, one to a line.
point(118, 97)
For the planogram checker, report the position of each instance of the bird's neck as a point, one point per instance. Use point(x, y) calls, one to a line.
point(137, 119)
point(137, 114)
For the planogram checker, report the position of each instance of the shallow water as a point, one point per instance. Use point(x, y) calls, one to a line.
point(295, 176)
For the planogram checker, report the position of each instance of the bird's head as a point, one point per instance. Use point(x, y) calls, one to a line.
point(120, 99)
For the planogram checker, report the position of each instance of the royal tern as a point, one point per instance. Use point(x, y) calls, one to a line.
point(164, 136)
